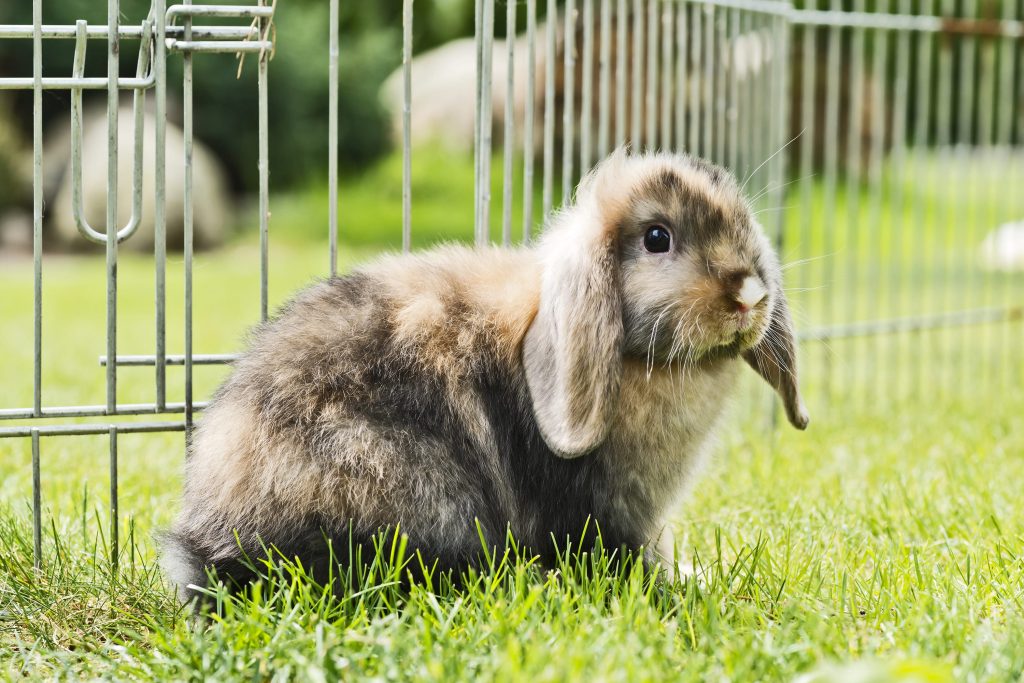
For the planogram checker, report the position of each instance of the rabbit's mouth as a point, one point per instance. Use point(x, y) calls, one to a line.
point(744, 321)
point(744, 333)
point(725, 351)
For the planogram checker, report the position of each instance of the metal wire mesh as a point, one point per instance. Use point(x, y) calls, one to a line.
point(877, 148)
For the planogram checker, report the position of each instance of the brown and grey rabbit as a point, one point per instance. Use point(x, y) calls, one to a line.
point(539, 389)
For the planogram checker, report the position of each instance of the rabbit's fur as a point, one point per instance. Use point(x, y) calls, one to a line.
point(530, 389)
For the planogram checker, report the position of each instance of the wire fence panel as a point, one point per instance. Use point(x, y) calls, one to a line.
point(166, 29)
point(881, 151)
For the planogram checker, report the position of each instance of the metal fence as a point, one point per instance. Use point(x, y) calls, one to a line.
point(878, 149)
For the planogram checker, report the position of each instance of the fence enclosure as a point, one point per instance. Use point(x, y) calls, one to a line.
point(879, 149)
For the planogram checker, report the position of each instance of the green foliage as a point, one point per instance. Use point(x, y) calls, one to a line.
point(370, 204)
point(226, 107)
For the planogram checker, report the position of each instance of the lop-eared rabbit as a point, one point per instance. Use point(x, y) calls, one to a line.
point(542, 390)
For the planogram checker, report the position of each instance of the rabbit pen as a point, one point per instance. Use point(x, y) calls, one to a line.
point(879, 143)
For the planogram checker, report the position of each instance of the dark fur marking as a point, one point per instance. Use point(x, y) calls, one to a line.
point(717, 176)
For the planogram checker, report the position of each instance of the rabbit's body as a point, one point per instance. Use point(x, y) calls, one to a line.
point(396, 396)
point(434, 392)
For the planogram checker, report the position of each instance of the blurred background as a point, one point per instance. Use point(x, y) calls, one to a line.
point(225, 105)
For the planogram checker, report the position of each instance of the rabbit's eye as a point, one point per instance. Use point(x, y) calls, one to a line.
point(658, 239)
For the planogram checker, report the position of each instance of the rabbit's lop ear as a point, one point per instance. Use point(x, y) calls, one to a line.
point(572, 352)
point(774, 358)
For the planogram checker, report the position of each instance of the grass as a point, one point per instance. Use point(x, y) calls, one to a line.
point(886, 543)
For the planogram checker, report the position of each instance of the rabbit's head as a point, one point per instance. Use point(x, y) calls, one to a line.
point(659, 259)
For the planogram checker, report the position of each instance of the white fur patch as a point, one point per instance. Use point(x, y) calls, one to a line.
point(752, 292)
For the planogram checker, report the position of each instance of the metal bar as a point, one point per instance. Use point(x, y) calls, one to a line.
point(964, 138)
point(604, 92)
point(855, 245)
point(922, 138)
point(720, 91)
point(568, 95)
point(332, 139)
point(77, 209)
point(264, 170)
point(875, 268)
point(478, 115)
point(113, 52)
point(62, 412)
point(778, 97)
point(944, 122)
point(707, 82)
point(757, 142)
point(879, 275)
point(37, 506)
point(90, 429)
point(808, 86)
point(895, 22)
point(531, 107)
point(220, 46)
point(486, 123)
point(114, 541)
point(828, 273)
point(69, 31)
point(621, 22)
point(139, 130)
point(651, 92)
point(734, 91)
point(188, 10)
point(695, 84)
point(587, 100)
point(188, 211)
point(1007, 64)
point(549, 110)
point(859, 18)
point(510, 124)
point(65, 83)
point(138, 122)
point(172, 359)
point(897, 202)
point(638, 76)
point(783, 98)
point(407, 125)
point(765, 7)
point(940, 321)
point(985, 207)
point(37, 208)
point(78, 68)
point(160, 206)
point(682, 78)
point(668, 24)
point(743, 106)
point(809, 62)
point(1005, 111)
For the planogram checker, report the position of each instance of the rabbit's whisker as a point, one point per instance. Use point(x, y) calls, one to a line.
point(650, 345)
point(773, 208)
point(774, 154)
point(809, 259)
point(768, 188)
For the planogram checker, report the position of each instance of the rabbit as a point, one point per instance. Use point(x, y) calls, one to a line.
point(540, 390)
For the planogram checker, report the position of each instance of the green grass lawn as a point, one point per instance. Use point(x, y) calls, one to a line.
point(885, 543)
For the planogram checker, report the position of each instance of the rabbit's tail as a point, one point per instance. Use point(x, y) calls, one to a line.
point(188, 564)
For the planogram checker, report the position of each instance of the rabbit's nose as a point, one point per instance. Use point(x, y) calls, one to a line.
point(750, 293)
